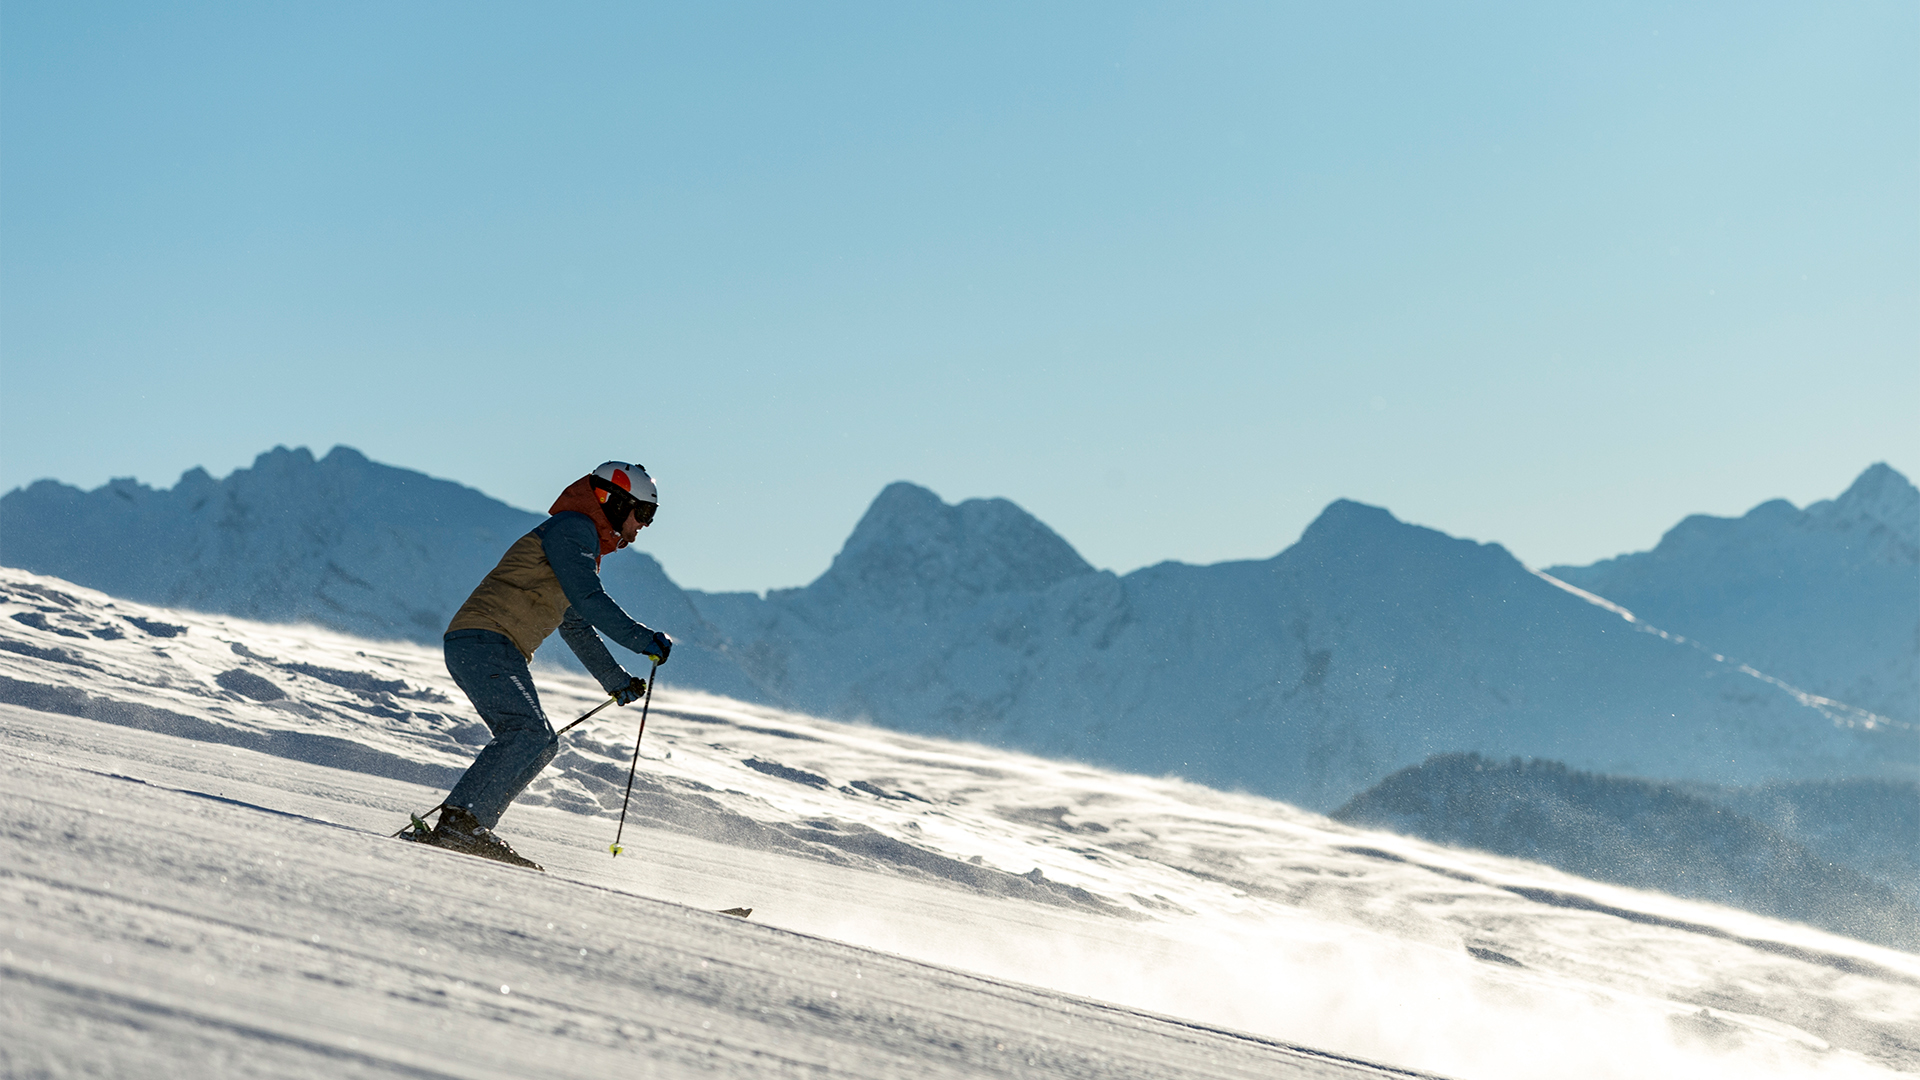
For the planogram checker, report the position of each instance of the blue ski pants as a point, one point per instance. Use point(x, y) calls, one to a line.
point(494, 675)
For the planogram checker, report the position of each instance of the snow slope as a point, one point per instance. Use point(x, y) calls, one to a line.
point(1826, 598)
point(197, 876)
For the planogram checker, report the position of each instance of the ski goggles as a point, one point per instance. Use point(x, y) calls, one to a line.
point(618, 503)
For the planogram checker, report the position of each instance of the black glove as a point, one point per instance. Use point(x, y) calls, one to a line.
point(635, 689)
point(662, 645)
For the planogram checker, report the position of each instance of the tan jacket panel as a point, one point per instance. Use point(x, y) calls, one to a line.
point(521, 598)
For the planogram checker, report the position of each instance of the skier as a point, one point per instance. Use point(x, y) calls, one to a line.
point(548, 579)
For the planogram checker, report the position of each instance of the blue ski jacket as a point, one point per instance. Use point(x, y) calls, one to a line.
point(550, 579)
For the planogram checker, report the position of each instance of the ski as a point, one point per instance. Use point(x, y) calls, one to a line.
point(737, 912)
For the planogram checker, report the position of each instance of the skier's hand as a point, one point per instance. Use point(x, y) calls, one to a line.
point(635, 689)
point(662, 645)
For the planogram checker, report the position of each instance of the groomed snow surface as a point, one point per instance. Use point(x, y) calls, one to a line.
point(198, 880)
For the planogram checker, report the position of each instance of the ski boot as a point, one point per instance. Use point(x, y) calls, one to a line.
point(460, 831)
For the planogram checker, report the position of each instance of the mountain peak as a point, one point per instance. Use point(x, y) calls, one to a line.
point(1877, 478)
point(345, 456)
point(900, 501)
point(1880, 496)
point(1353, 526)
point(281, 459)
point(1344, 516)
point(912, 549)
point(1821, 597)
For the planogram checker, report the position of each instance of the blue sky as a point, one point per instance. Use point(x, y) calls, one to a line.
point(1170, 276)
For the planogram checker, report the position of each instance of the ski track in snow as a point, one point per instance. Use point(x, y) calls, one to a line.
point(192, 886)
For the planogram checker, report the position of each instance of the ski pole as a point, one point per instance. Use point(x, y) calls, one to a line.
point(610, 700)
point(645, 703)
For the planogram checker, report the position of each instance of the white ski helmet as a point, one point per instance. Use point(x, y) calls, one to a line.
point(625, 489)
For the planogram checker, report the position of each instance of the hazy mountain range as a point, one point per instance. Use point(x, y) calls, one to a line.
point(342, 542)
point(1826, 598)
point(1364, 648)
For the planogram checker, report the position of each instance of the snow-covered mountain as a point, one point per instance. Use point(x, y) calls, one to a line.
point(342, 542)
point(1826, 598)
point(1364, 648)
point(195, 873)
